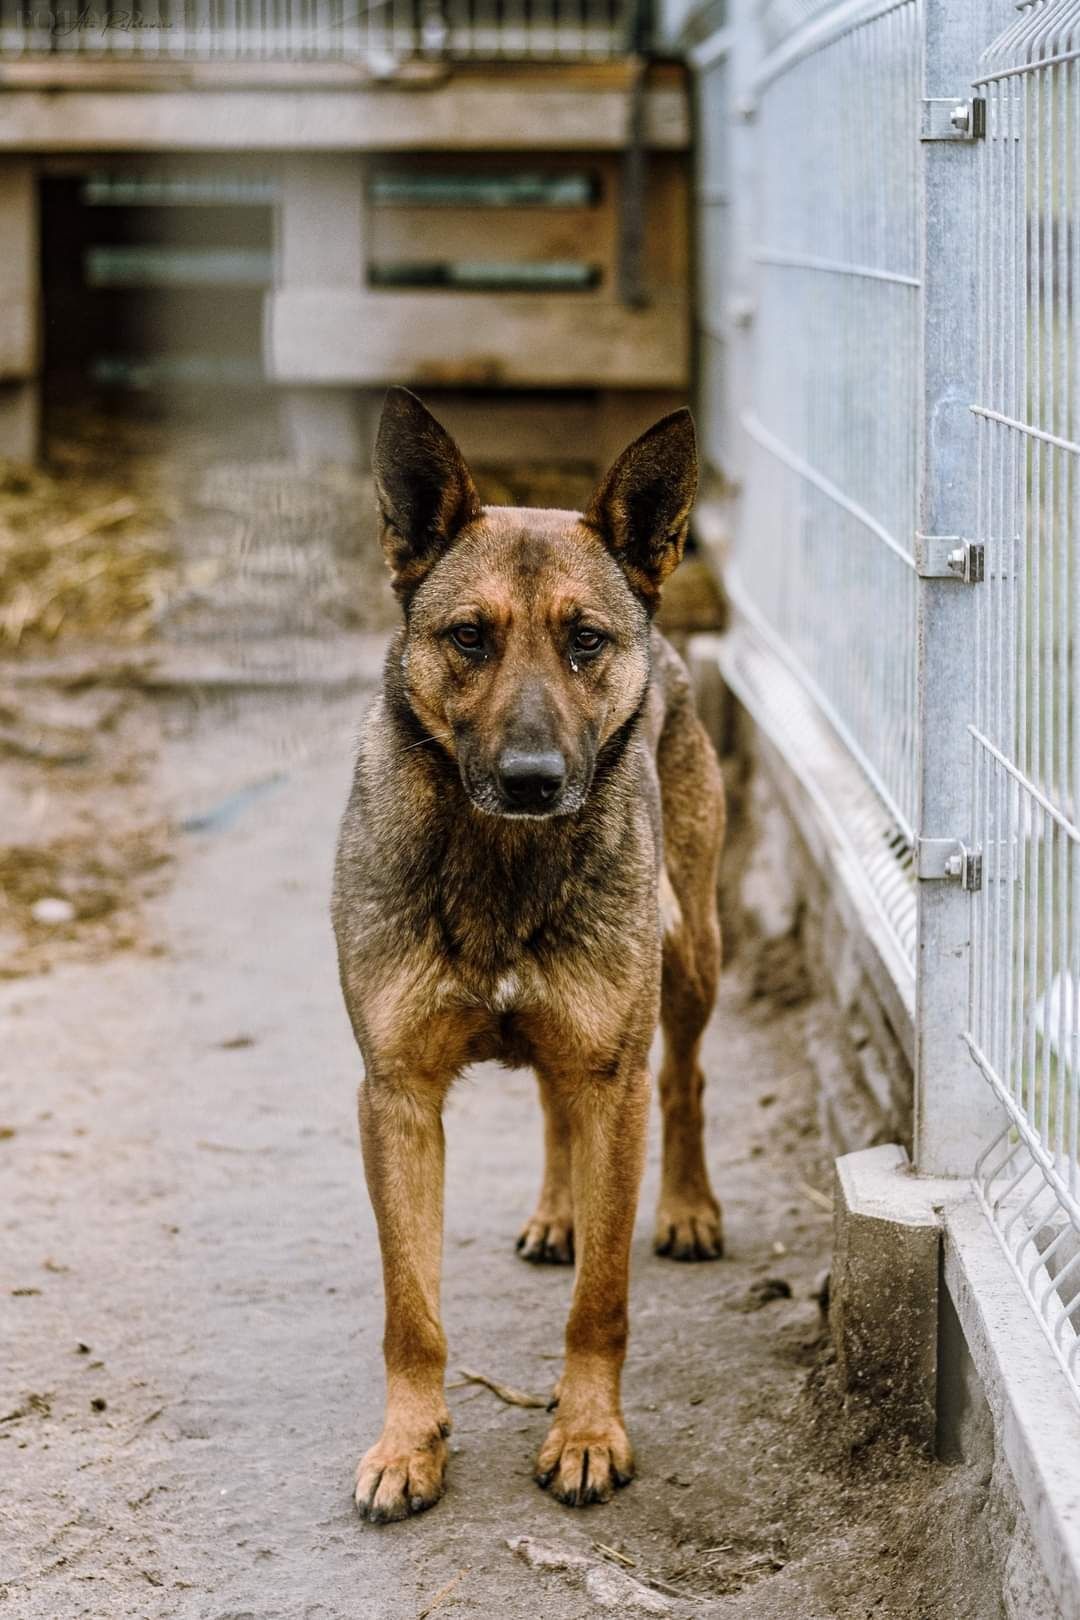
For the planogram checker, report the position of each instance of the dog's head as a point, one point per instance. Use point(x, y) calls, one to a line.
point(527, 632)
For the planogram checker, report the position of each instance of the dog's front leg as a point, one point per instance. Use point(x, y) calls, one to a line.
point(402, 1134)
point(587, 1453)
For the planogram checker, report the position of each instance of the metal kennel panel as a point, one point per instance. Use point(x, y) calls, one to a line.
point(1024, 1003)
point(824, 561)
point(905, 451)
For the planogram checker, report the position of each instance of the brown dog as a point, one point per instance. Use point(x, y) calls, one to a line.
point(527, 872)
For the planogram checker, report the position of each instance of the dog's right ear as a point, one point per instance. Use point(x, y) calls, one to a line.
point(425, 491)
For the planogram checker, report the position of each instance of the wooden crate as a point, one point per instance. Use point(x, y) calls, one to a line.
point(516, 295)
point(468, 274)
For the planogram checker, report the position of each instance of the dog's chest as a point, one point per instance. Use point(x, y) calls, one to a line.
point(500, 1009)
point(511, 990)
point(506, 993)
point(497, 922)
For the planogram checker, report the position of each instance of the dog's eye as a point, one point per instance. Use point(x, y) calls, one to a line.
point(587, 642)
point(468, 637)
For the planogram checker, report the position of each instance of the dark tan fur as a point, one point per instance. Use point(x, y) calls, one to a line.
point(469, 930)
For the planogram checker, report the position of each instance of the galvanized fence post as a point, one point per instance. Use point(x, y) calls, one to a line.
point(955, 1112)
point(744, 186)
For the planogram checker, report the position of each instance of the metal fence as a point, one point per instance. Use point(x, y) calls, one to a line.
point(1024, 1015)
point(384, 35)
point(901, 419)
point(831, 458)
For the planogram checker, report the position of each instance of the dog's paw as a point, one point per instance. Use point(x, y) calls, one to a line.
point(401, 1475)
point(547, 1241)
point(689, 1230)
point(580, 1466)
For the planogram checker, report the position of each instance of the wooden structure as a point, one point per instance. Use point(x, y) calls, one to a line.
point(462, 228)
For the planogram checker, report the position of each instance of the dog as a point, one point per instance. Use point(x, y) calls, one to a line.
point(527, 872)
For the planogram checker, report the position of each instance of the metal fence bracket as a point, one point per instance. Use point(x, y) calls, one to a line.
point(947, 860)
point(952, 118)
point(946, 556)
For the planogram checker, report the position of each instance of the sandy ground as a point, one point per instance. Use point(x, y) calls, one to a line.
point(192, 1307)
point(190, 1299)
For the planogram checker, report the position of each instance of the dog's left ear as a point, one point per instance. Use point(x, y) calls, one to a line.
point(642, 508)
point(425, 491)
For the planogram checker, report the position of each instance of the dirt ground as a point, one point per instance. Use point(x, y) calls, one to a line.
point(191, 1306)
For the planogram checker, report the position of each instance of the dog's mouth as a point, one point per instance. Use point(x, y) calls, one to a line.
point(491, 797)
point(526, 781)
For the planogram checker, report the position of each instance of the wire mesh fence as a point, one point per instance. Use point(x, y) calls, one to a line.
point(908, 530)
point(826, 567)
point(1024, 1014)
point(713, 220)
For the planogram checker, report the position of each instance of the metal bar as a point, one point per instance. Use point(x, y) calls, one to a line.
point(716, 48)
point(1069, 828)
point(782, 452)
point(744, 177)
point(1029, 67)
point(807, 261)
point(1053, 439)
point(1065, 1352)
point(820, 32)
point(744, 601)
point(1020, 1122)
point(955, 1113)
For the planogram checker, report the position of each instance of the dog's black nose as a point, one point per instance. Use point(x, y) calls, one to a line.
point(531, 781)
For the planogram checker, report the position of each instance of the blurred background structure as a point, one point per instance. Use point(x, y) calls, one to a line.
point(314, 201)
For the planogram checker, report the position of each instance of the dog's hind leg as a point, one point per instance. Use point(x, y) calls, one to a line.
point(688, 1219)
point(548, 1236)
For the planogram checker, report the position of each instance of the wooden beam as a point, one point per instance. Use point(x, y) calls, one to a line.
point(19, 276)
point(107, 72)
point(512, 112)
point(329, 335)
point(502, 235)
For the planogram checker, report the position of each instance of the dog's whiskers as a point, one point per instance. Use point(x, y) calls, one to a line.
point(433, 738)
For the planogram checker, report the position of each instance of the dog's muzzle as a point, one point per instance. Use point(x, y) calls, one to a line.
point(530, 783)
